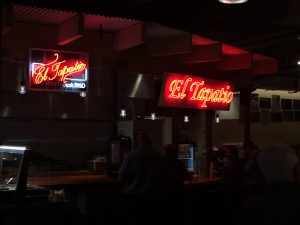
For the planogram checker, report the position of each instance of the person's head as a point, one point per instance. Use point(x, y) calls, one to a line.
point(249, 148)
point(171, 151)
point(278, 163)
point(231, 152)
point(143, 141)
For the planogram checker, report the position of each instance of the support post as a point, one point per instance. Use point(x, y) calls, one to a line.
point(245, 111)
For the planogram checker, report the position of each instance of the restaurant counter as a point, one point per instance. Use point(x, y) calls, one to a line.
point(203, 180)
point(100, 197)
point(98, 179)
point(72, 179)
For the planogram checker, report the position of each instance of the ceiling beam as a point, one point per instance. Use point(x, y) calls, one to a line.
point(7, 17)
point(265, 67)
point(70, 30)
point(241, 61)
point(169, 45)
point(203, 53)
point(130, 37)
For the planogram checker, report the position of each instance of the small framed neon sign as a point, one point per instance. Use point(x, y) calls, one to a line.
point(185, 91)
point(51, 70)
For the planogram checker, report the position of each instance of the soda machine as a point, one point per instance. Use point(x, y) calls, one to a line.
point(186, 154)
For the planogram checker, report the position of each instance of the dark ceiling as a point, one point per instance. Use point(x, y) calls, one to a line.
point(247, 24)
point(269, 27)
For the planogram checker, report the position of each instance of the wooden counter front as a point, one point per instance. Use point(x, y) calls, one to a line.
point(203, 180)
point(89, 179)
point(75, 179)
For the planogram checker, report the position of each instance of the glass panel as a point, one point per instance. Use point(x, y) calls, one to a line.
point(276, 117)
point(296, 104)
point(255, 116)
point(286, 103)
point(265, 117)
point(265, 103)
point(287, 115)
point(254, 102)
point(275, 102)
point(10, 165)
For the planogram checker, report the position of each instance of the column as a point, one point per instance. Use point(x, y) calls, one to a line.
point(245, 94)
point(202, 134)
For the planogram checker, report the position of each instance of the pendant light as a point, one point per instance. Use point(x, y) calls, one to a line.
point(153, 116)
point(22, 88)
point(217, 118)
point(186, 119)
point(232, 1)
point(123, 112)
point(82, 94)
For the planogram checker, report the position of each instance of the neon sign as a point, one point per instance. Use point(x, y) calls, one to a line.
point(58, 70)
point(185, 91)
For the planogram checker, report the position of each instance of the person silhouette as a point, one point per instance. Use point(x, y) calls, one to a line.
point(177, 167)
point(232, 181)
point(178, 195)
point(253, 181)
point(279, 204)
point(148, 178)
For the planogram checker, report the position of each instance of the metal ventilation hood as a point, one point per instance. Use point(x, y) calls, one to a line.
point(136, 85)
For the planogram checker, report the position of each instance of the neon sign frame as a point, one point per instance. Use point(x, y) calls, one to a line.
point(186, 91)
point(57, 70)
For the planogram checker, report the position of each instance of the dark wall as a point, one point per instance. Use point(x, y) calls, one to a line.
point(61, 139)
point(60, 125)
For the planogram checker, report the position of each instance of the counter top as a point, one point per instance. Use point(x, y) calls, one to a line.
point(74, 179)
point(202, 180)
point(89, 179)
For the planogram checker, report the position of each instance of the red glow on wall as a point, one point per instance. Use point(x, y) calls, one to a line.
point(230, 50)
point(185, 91)
point(57, 70)
point(198, 40)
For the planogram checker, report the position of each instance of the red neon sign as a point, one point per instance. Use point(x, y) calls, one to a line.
point(185, 91)
point(56, 70)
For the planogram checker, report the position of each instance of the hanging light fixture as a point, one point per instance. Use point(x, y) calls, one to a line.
point(22, 88)
point(217, 118)
point(232, 1)
point(83, 94)
point(153, 116)
point(123, 112)
point(186, 119)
